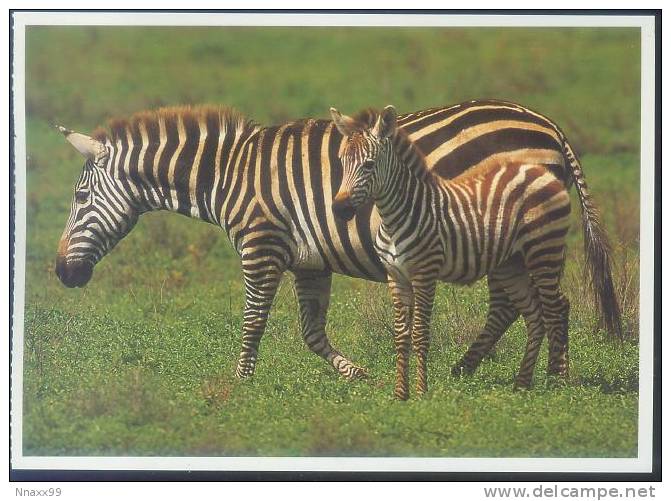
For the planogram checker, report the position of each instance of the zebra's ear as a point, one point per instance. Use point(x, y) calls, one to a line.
point(86, 145)
point(343, 123)
point(386, 123)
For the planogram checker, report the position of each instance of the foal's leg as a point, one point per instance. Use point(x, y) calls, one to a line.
point(558, 361)
point(402, 296)
point(424, 292)
point(555, 309)
point(524, 297)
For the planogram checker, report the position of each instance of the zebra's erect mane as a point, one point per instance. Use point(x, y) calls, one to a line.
point(411, 155)
point(404, 147)
point(366, 118)
point(221, 117)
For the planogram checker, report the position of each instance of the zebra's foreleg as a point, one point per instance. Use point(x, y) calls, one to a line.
point(423, 294)
point(500, 316)
point(314, 291)
point(403, 311)
point(261, 282)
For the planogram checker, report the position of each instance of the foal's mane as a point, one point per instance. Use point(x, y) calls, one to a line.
point(403, 146)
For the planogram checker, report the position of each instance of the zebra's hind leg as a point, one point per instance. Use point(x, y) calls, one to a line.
point(524, 297)
point(558, 362)
point(402, 297)
point(555, 316)
point(261, 281)
point(314, 291)
point(500, 316)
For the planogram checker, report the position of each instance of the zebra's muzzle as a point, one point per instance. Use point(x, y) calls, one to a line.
point(342, 207)
point(73, 273)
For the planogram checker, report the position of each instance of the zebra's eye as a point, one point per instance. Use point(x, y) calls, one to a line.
point(81, 196)
point(368, 165)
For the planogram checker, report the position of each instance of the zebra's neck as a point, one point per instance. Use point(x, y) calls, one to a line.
point(407, 188)
point(180, 160)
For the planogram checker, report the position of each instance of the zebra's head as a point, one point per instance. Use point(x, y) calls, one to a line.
point(365, 154)
point(101, 213)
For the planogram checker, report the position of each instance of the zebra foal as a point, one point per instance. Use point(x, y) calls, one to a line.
point(506, 219)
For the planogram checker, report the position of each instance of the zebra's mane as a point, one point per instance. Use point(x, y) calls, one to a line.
point(366, 118)
point(404, 147)
point(411, 155)
point(221, 118)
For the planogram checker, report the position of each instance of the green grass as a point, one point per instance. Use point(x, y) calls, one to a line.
point(141, 361)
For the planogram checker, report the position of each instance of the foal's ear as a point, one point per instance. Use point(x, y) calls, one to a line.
point(386, 123)
point(344, 124)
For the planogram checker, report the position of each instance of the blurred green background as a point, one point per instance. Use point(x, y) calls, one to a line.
point(141, 361)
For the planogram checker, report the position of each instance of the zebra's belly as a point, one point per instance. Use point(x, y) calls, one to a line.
point(307, 257)
point(469, 271)
point(461, 277)
point(405, 270)
point(348, 251)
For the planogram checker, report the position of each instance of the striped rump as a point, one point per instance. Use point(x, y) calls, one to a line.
point(506, 218)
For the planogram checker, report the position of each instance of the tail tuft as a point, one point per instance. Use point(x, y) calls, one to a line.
point(597, 252)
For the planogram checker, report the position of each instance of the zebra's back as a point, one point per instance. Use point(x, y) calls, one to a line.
point(298, 173)
point(457, 138)
point(513, 209)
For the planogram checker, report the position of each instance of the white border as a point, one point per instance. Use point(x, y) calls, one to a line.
point(298, 19)
point(641, 464)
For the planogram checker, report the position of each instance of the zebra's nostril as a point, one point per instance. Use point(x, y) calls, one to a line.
point(343, 208)
point(60, 266)
point(74, 273)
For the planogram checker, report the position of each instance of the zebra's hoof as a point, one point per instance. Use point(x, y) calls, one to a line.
point(356, 372)
point(521, 384)
point(555, 380)
point(560, 372)
point(402, 396)
point(244, 372)
point(461, 370)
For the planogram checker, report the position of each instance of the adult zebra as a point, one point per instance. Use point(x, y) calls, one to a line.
point(270, 189)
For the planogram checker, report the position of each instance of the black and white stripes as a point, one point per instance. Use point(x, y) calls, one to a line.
point(271, 190)
point(507, 219)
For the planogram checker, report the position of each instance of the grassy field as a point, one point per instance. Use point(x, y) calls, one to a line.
point(141, 361)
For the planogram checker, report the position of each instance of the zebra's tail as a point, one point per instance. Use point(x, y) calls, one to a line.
point(597, 250)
